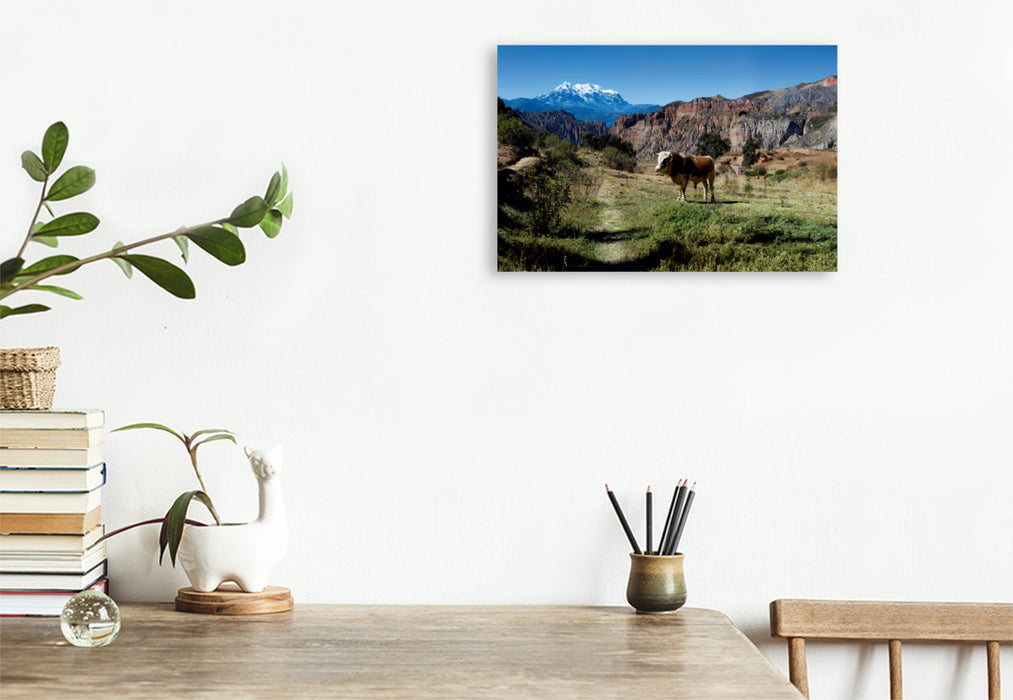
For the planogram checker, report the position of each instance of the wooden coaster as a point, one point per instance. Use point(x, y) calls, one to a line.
point(230, 599)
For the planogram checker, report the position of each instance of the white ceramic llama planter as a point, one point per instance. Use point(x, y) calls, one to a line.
point(245, 553)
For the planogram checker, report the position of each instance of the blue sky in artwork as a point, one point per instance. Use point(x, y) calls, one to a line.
point(661, 74)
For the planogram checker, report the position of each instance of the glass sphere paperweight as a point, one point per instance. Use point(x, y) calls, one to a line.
point(90, 619)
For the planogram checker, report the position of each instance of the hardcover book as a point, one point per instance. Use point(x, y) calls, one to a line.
point(49, 502)
point(41, 603)
point(45, 542)
point(83, 419)
point(52, 523)
point(50, 479)
point(45, 457)
point(52, 582)
point(53, 562)
point(59, 439)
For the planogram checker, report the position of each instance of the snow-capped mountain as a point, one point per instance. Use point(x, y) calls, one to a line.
point(585, 101)
point(585, 95)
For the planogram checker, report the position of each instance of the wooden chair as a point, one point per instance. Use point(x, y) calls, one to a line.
point(799, 620)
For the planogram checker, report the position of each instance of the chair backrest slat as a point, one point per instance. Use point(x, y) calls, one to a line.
point(896, 672)
point(845, 619)
point(892, 622)
point(994, 689)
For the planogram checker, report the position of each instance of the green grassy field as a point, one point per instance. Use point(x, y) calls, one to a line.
point(633, 221)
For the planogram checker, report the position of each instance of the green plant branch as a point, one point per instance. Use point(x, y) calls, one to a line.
point(69, 267)
point(219, 238)
point(193, 461)
point(152, 521)
point(31, 226)
point(190, 444)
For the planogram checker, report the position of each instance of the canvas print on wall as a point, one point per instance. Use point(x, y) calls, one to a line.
point(667, 158)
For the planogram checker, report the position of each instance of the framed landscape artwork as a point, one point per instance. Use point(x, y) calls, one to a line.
point(667, 158)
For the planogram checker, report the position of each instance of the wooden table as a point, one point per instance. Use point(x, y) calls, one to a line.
point(394, 651)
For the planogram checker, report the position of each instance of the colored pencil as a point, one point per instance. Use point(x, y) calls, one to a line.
point(622, 520)
point(650, 517)
point(683, 517)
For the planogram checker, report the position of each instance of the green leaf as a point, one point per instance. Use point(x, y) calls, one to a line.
point(284, 179)
point(6, 311)
point(220, 244)
point(75, 181)
point(69, 225)
point(249, 213)
point(47, 264)
point(127, 268)
point(286, 206)
point(51, 241)
point(230, 228)
point(213, 438)
point(9, 269)
point(56, 290)
point(37, 237)
point(54, 145)
point(33, 166)
point(190, 439)
point(164, 274)
point(153, 426)
point(206, 431)
point(184, 247)
point(175, 519)
point(274, 191)
point(271, 225)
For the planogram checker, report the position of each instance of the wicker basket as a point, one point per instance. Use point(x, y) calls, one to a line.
point(28, 377)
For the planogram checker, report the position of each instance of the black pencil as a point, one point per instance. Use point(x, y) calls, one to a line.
point(622, 520)
point(683, 517)
point(670, 544)
point(650, 517)
point(668, 520)
point(679, 498)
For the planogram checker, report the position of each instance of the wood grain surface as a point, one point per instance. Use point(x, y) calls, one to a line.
point(229, 599)
point(394, 652)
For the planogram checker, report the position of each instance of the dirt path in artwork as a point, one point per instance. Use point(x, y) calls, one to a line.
point(612, 221)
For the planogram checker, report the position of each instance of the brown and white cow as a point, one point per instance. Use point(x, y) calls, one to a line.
point(684, 169)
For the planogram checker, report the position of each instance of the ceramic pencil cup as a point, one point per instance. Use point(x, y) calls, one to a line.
point(656, 584)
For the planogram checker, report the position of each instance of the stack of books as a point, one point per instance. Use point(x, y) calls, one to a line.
point(51, 478)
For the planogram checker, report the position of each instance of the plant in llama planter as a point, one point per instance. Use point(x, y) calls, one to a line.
point(245, 553)
point(210, 555)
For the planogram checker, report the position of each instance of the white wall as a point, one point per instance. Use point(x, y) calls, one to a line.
point(447, 428)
